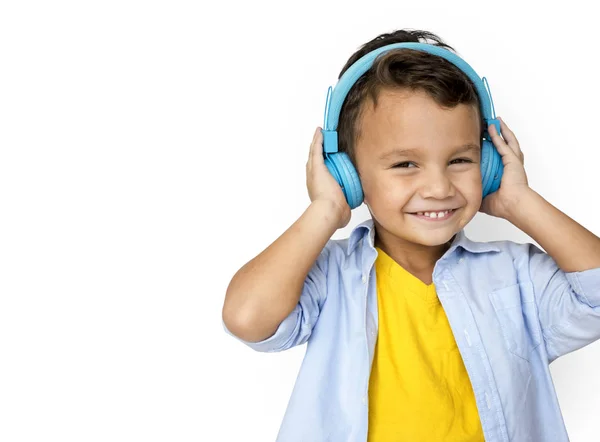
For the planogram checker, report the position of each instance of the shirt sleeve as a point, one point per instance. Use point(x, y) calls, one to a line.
point(297, 327)
point(568, 304)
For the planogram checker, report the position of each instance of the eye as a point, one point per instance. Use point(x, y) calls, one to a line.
point(402, 164)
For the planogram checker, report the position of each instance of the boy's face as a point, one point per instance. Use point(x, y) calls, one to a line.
point(432, 180)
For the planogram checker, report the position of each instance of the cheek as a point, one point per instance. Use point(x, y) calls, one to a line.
point(471, 187)
point(470, 180)
point(387, 194)
point(378, 189)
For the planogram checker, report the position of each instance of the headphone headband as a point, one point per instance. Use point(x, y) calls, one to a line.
point(336, 98)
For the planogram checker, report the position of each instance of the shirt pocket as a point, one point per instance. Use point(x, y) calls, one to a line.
point(516, 311)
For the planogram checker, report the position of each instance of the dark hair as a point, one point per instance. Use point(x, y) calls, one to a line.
point(402, 69)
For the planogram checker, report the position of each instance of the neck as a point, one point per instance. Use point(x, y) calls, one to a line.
point(411, 256)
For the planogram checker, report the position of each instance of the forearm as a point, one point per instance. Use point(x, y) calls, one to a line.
point(572, 246)
point(266, 289)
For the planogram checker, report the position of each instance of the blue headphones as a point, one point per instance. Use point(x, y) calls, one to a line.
point(339, 163)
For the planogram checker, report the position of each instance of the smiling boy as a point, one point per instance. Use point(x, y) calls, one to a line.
point(414, 331)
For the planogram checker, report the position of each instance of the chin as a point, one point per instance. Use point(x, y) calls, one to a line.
point(433, 239)
point(430, 235)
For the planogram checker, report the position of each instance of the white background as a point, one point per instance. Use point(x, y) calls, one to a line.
point(150, 148)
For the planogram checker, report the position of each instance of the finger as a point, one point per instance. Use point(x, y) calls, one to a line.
point(501, 145)
point(311, 148)
point(510, 137)
point(316, 148)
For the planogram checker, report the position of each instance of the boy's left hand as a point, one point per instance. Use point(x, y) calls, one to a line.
point(514, 179)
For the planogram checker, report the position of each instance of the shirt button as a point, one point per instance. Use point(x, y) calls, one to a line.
point(364, 279)
point(461, 260)
point(364, 400)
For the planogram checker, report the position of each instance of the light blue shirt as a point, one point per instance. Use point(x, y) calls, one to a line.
point(512, 311)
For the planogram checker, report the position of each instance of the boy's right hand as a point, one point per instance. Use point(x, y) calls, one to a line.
point(321, 184)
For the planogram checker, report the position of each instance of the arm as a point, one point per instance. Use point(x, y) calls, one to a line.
point(572, 246)
point(267, 289)
point(273, 302)
point(565, 278)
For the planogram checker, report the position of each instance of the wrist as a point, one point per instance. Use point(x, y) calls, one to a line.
point(329, 209)
point(517, 202)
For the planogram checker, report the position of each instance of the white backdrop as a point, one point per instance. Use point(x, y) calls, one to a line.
point(150, 148)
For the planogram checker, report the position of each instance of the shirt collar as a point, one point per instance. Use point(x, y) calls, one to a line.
point(366, 228)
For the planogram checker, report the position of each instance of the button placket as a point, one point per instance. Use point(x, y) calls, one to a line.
point(487, 401)
point(477, 367)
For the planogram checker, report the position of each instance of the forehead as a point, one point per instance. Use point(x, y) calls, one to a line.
point(404, 119)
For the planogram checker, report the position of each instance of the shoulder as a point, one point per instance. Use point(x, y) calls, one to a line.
point(513, 248)
point(517, 250)
point(335, 251)
point(340, 259)
point(502, 248)
point(505, 255)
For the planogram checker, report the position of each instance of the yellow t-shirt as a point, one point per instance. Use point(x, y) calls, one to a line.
point(419, 389)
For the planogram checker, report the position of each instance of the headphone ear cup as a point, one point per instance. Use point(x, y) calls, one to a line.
point(492, 168)
point(345, 174)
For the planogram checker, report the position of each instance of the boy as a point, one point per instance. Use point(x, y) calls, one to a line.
point(415, 332)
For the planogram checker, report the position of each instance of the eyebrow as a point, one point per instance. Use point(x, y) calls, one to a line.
point(403, 152)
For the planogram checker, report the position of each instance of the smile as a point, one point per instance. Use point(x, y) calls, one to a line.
point(434, 216)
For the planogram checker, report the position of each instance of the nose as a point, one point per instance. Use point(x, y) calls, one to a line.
point(436, 184)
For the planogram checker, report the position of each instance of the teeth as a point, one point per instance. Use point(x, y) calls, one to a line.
point(434, 214)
